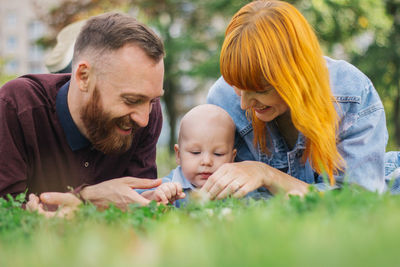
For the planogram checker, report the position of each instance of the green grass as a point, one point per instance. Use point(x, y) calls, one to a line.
point(350, 227)
point(165, 161)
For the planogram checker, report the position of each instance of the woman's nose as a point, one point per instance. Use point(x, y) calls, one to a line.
point(245, 100)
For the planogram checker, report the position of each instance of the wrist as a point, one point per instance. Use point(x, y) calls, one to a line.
point(86, 193)
point(267, 175)
point(77, 191)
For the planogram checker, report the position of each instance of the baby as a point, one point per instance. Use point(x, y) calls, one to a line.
point(206, 140)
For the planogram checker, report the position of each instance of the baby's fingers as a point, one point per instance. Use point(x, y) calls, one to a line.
point(161, 197)
point(181, 195)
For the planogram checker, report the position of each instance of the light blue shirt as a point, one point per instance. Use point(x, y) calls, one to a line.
point(175, 175)
point(361, 139)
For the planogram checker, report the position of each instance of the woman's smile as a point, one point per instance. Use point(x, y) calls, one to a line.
point(262, 109)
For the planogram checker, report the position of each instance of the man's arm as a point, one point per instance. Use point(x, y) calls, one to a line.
point(118, 191)
point(13, 166)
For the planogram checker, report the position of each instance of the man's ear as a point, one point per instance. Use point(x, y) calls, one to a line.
point(84, 76)
point(177, 154)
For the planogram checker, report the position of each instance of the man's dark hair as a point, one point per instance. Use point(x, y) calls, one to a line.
point(111, 31)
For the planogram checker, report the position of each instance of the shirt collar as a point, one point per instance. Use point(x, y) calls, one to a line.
point(180, 178)
point(74, 137)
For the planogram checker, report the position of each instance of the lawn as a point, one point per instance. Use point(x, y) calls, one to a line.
point(350, 227)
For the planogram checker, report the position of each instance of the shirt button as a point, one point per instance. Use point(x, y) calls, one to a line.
point(86, 164)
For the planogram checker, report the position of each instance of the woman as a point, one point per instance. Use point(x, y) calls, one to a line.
point(301, 118)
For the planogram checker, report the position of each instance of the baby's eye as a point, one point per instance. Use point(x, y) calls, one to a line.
point(219, 154)
point(195, 152)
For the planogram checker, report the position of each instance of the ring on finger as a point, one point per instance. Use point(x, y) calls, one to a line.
point(235, 186)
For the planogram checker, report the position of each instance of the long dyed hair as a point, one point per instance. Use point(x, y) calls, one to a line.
point(270, 42)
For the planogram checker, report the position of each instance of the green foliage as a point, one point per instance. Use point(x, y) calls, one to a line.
point(348, 227)
point(165, 161)
point(4, 77)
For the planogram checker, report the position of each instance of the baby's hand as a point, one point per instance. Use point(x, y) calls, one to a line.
point(165, 193)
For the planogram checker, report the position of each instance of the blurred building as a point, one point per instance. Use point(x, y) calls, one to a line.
point(19, 30)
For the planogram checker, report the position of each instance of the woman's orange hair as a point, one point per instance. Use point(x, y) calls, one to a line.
point(270, 42)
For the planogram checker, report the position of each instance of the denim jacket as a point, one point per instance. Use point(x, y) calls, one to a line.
point(361, 139)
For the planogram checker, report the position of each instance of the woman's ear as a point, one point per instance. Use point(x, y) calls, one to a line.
point(177, 154)
point(84, 76)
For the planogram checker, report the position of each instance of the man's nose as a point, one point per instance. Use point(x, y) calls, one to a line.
point(141, 115)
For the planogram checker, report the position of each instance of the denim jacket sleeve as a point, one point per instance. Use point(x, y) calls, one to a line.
point(362, 133)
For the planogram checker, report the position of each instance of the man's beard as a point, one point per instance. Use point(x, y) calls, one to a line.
point(101, 127)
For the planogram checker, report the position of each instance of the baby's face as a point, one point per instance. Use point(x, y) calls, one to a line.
point(202, 151)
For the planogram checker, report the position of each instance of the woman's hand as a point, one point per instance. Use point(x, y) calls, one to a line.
point(235, 179)
point(240, 178)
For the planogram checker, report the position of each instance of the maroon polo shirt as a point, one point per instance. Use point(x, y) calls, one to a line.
point(41, 148)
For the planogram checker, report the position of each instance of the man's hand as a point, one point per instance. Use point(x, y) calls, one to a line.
point(66, 204)
point(165, 193)
point(118, 191)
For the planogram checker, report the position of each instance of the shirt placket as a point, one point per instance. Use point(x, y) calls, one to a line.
point(87, 163)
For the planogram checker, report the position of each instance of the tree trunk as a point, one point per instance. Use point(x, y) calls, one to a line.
point(170, 106)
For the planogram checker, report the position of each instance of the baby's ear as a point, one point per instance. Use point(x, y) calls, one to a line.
point(177, 154)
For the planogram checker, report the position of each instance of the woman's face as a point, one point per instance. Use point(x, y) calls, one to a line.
point(267, 104)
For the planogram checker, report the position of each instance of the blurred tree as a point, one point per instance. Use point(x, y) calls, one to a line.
point(192, 32)
point(381, 61)
point(3, 76)
point(340, 22)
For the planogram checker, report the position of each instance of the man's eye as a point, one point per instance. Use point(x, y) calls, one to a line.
point(132, 101)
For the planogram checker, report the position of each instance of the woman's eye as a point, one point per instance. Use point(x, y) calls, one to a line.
point(263, 91)
point(266, 90)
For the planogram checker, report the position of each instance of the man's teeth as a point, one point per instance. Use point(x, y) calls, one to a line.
point(125, 128)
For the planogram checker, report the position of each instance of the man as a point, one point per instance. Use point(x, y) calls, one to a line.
point(93, 130)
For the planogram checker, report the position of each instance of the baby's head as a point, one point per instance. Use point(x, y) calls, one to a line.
point(206, 139)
